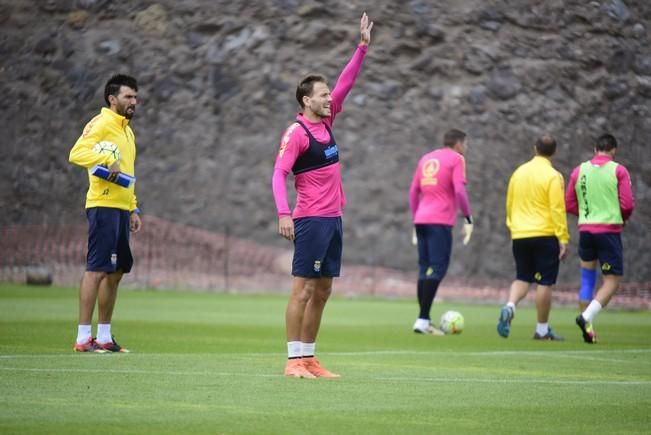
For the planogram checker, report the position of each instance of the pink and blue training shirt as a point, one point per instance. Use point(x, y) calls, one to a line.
point(319, 192)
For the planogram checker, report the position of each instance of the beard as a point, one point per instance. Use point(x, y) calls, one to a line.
point(127, 111)
point(323, 112)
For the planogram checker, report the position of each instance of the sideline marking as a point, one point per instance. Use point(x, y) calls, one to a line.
point(499, 353)
point(377, 378)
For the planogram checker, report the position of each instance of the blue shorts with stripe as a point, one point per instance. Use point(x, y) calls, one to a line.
point(108, 240)
point(318, 246)
point(434, 250)
point(605, 247)
point(536, 259)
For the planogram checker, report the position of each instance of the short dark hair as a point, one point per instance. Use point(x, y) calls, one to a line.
point(605, 142)
point(306, 87)
point(546, 145)
point(113, 85)
point(452, 137)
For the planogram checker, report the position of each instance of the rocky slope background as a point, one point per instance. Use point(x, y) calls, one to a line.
point(217, 82)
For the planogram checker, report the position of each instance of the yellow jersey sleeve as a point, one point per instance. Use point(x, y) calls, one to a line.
point(557, 208)
point(82, 153)
point(509, 203)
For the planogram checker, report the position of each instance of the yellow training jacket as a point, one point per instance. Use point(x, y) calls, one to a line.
point(111, 127)
point(535, 201)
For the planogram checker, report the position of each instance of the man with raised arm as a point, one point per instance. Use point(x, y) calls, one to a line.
point(308, 149)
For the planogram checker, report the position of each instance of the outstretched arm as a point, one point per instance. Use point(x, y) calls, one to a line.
point(347, 78)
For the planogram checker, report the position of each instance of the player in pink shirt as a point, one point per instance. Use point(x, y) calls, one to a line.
point(437, 190)
point(309, 150)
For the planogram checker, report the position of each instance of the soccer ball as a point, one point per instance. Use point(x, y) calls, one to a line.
point(107, 148)
point(451, 322)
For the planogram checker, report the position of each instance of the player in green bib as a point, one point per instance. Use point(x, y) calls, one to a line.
point(600, 194)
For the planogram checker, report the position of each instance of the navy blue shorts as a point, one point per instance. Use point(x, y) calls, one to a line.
point(318, 246)
point(108, 240)
point(536, 259)
point(434, 250)
point(606, 247)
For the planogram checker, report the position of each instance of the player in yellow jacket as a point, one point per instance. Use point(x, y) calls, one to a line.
point(535, 215)
point(111, 209)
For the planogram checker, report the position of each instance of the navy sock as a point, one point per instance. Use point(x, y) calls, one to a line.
point(430, 286)
point(421, 291)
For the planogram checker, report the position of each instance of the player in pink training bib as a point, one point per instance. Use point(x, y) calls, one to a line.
point(309, 150)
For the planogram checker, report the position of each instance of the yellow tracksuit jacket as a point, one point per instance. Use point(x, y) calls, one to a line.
point(111, 127)
point(535, 201)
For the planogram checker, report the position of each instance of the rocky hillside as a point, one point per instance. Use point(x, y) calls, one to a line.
point(217, 90)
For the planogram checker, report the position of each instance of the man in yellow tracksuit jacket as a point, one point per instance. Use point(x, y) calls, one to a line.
point(111, 210)
point(535, 215)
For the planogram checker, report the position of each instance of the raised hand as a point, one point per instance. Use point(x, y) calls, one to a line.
point(365, 30)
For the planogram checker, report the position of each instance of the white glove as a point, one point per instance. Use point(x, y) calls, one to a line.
point(414, 239)
point(467, 231)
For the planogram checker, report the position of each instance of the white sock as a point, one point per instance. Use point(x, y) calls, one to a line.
point(512, 305)
point(593, 308)
point(308, 349)
point(83, 333)
point(422, 324)
point(104, 333)
point(542, 328)
point(293, 349)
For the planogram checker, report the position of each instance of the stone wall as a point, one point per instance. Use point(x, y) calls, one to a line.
point(217, 82)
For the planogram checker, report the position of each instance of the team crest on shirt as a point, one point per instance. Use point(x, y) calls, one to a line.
point(430, 169)
point(317, 266)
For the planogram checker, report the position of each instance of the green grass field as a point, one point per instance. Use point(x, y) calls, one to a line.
point(212, 363)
